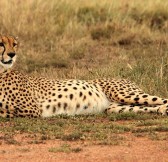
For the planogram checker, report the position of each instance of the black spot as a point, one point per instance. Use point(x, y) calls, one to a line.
point(116, 95)
point(59, 96)
point(154, 99)
point(6, 107)
point(136, 103)
point(98, 95)
point(122, 100)
point(144, 96)
point(146, 103)
point(131, 109)
point(20, 110)
point(74, 88)
point(80, 94)
point(136, 99)
point(165, 101)
point(87, 86)
point(71, 96)
point(48, 106)
point(59, 104)
point(84, 87)
point(0, 104)
point(132, 93)
point(78, 106)
point(53, 94)
point(65, 89)
point(151, 112)
point(108, 87)
point(90, 93)
point(26, 111)
point(54, 109)
point(127, 96)
point(145, 109)
point(85, 107)
point(65, 106)
point(119, 104)
point(84, 98)
point(2, 112)
point(49, 100)
point(69, 84)
point(122, 110)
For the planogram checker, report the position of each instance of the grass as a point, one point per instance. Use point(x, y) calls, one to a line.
point(94, 129)
point(64, 148)
point(88, 40)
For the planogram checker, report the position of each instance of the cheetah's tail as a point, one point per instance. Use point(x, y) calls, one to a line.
point(141, 99)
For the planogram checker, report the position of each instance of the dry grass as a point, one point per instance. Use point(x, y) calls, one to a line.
point(87, 39)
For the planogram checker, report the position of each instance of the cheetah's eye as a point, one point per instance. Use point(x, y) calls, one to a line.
point(1, 44)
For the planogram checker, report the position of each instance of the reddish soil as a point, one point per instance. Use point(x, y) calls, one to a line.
point(135, 149)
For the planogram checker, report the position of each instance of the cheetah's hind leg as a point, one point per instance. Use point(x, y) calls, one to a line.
point(6, 111)
point(119, 108)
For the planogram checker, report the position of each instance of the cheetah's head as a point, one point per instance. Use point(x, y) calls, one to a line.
point(8, 48)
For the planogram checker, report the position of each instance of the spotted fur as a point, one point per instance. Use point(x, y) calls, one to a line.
point(21, 95)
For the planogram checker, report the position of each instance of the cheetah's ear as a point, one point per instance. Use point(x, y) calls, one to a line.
point(16, 38)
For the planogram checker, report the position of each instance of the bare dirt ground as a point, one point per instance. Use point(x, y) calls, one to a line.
point(135, 149)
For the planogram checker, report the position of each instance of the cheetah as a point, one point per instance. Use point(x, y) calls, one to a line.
point(25, 96)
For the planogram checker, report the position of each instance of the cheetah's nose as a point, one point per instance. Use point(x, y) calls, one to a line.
point(11, 54)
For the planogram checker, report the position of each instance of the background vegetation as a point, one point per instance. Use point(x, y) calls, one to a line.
point(87, 40)
point(91, 39)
